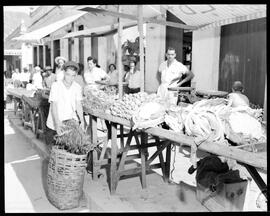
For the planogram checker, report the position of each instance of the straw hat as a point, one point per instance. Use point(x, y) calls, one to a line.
point(37, 68)
point(60, 57)
point(71, 63)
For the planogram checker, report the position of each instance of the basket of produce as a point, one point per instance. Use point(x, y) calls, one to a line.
point(67, 165)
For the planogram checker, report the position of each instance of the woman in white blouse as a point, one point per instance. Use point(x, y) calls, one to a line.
point(94, 73)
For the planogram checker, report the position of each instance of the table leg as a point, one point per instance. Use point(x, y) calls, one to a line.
point(122, 137)
point(168, 163)
point(144, 139)
point(93, 129)
point(257, 178)
point(113, 171)
point(15, 105)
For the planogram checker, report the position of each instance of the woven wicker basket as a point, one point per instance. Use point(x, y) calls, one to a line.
point(65, 178)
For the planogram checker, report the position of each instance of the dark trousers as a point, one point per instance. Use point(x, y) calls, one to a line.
point(133, 90)
point(49, 138)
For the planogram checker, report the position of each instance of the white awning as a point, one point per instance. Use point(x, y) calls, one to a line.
point(38, 34)
point(98, 30)
point(214, 15)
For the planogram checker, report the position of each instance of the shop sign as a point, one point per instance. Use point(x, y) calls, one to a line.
point(13, 52)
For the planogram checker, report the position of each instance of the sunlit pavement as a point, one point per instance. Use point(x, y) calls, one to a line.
point(24, 175)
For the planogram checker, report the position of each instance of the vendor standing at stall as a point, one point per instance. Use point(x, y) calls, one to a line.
point(94, 73)
point(65, 102)
point(37, 80)
point(50, 78)
point(113, 74)
point(59, 70)
point(16, 77)
point(25, 77)
point(171, 74)
point(237, 98)
point(133, 78)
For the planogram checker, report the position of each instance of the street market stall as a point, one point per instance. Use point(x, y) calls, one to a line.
point(125, 112)
point(34, 108)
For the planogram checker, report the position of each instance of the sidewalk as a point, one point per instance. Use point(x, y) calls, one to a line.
point(25, 171)
point(129, 197)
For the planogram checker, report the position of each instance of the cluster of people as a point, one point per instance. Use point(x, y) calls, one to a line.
point(67, 84)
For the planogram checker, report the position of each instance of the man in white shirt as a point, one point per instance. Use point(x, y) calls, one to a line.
point(37, 78)
point(25, 77)
point(65, 101)
point(16, 77)
point(171, 72)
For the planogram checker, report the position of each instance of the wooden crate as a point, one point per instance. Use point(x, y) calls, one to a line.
point(228, 197)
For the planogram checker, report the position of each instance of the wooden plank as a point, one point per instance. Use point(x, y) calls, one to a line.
point(161, 159)
point(108, 117)
point(163, 145)
point(93, 123)
point(113, 167)
point(250, 158)
point(143, 152)
point(121, 136)
point(95, 168)
point(118, 159)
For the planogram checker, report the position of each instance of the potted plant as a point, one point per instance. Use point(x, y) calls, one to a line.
point(66, 168)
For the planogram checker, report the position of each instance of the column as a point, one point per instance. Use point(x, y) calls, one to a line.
point(44, 56)
point(52, 54)
point(38, 55)
point(87, 49)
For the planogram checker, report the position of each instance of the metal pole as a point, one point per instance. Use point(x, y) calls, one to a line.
point(119, 55)
point(140, 27)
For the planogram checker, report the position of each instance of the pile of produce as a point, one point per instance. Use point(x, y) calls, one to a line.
point(213, 120)
point(73, 139)
point(149, 114)
point(243, 125)
point(96, 99)
point(130, 103)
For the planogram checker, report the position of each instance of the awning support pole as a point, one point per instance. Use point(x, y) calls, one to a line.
point(140, 27)
point(119, 55)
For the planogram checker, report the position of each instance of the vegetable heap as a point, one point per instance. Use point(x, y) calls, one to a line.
point(73, 139)
point(126, 107)
point(96, 99)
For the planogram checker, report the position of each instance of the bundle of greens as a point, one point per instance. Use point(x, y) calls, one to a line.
point(73, 139)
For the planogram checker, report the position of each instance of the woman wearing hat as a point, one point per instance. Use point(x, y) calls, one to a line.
point(59, 71)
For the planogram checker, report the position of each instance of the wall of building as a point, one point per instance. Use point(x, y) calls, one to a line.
point(205, 58)
point(27, 55)
point(155, 51)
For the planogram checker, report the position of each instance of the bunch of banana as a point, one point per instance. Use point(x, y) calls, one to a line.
point(203, 120)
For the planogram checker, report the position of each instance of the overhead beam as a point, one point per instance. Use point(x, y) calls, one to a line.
point(132, 17)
